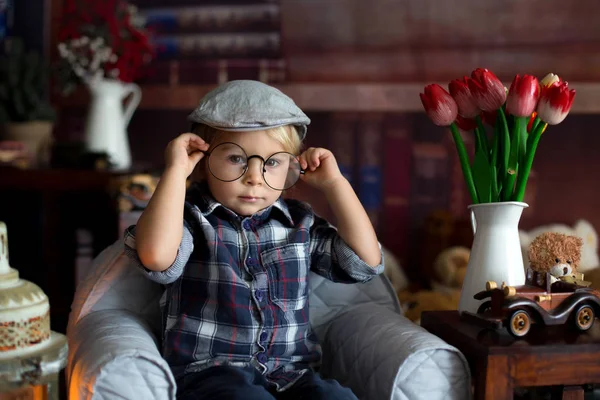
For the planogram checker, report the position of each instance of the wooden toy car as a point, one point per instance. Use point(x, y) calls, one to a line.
point(542, 300)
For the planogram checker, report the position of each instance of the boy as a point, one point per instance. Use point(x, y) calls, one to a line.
point(235, 257)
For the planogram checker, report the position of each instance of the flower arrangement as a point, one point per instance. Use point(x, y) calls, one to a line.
point(101, 39)
point(518, 117)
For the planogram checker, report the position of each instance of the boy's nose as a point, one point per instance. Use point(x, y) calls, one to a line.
point(253, 175)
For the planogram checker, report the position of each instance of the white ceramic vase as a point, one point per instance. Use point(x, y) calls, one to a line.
point(108, 118)
point(496, 251)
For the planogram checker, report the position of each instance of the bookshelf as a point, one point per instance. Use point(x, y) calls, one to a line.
point(328, 97)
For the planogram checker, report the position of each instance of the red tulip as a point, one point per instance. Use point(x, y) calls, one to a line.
point(489, 117)
point(555, 103)
point(523, 96)
point(487, 89)
point(465, 124)
point(549, 79)
point(439, 105)
point(467, 105)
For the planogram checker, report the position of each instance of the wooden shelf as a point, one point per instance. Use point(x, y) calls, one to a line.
point(55, 179)
point(351, 97)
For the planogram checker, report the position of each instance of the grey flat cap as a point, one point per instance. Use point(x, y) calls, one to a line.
point(245, 105)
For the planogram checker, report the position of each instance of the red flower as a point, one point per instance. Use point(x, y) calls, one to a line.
point(487, 90)
point(523, 96)
point(465, 124)
point(555, 102)
point(439, 105)
point(111, 20)
point(489, 117)
point(467, 105)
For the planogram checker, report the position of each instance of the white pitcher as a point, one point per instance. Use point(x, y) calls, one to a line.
point(106, 124)
point(496, 251)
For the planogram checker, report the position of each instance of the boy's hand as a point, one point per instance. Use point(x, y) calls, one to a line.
point(321, 168)
point(185, 151)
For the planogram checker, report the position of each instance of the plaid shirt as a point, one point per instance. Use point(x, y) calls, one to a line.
point(237, 292)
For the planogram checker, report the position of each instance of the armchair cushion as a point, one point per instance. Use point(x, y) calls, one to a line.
point(113, 355)
point(380, 354)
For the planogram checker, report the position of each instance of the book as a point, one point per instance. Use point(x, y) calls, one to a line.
point(175, 72)
point(171, 3)
point(218, 45)
point(218, 18)
point(397, 170)
point(342, 138)
point(370, 160)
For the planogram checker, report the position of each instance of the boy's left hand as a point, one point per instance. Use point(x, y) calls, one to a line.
point(321, 168)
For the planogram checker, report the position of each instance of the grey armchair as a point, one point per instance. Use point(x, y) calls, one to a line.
point(368, 345)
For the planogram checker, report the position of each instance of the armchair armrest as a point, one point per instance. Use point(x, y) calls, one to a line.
point(380, 354)
point(113, 355)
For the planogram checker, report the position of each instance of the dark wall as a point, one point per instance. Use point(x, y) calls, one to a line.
point(30, 23)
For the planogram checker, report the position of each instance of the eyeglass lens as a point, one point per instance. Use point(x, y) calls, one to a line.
point(228, 162)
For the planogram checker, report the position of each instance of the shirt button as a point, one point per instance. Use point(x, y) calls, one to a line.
point(259, 294)
point(263, 336)
point(262, 358)
point(247, 225)
point(251, 261)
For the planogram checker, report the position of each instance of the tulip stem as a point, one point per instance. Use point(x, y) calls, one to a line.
point(482, 137)
point(535, 124)
point(513, 161)
point(533, 141)
point(504, 145)
point(464, 162)
point(494, 161)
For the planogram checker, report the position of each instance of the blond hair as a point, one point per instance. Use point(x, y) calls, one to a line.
point(286, 135)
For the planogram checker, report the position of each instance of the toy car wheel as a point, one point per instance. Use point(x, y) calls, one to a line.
point(484, 307)
point(519, 323)
point(584, 318)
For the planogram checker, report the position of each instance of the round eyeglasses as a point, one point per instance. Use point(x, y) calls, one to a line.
point(229, 162)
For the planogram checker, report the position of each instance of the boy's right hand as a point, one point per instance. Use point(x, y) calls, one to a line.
point(184, 152)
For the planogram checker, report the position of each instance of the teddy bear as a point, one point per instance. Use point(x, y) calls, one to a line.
point(450, 267)
point(413, 303)
point(557, 254)
point(582, 228)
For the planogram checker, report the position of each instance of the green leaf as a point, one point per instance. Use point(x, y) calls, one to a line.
point(464, 162)
point(503, 146)
point(481, 176)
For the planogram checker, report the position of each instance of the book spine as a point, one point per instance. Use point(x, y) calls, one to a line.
point(174, 72)
point(342, 140)
point(221, 45)
point(370, 179)
point(230, 18)
point(429, 204)
point(171, 3)
point(397, 171)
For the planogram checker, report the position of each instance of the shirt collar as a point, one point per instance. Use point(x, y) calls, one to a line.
point(200, 195)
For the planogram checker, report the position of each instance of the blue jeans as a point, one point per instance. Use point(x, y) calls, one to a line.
point(230, 383)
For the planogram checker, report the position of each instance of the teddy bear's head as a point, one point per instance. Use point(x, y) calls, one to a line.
point(556, 253)
point(450, 266)
point(582, 228)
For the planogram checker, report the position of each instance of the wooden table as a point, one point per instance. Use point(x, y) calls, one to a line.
point(547, 356)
